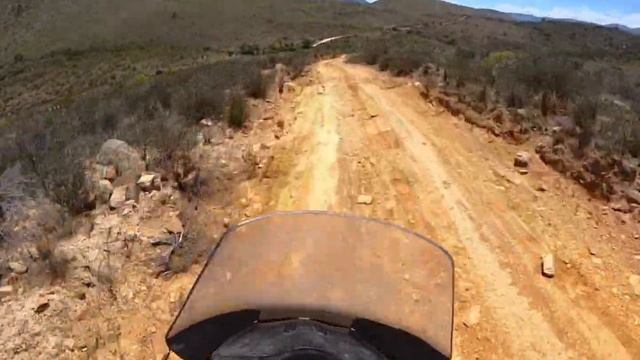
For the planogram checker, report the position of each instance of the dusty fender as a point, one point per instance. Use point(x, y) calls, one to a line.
point(340, 270)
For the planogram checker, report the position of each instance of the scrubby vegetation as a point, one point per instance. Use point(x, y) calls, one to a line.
point(236, 113)
point(603, 101)
point(587, 98)
point(156, 113)
point(150, 89)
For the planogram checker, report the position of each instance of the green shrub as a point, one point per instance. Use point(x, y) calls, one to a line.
point(584, 115)
point(401, 64)
point(56, 265)
point(498, 58)
point(546, 73)
point(237, 108)
point(372, 52)
point(249, 49)
point(255, 83)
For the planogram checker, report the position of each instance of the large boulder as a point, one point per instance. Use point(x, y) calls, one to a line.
point(103, 190)
point(18, 267)
point(149, 181)
point(127, 161)
point(107, 172)
point(118, 197)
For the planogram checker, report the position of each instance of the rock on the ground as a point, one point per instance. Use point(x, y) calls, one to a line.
point(126, 159)
point(103, 191)
point(548, 266)
point(18, 267)
point(118, 197)
point(261, 146)
point(290, 88)
point(108, 172)
point(206, 122)
point(226, 222)
point(6, 290)
point(149, 181)
point(545, 142)
point(634, 280)
point(133, 194)
point(627, 170)
point(365, 199)
point(191, 180)
point(173, 224)
point(620, 205)
point(473, 316)
point(541, 188)
point(522, 159)
point(632, 196)
point(42, 307)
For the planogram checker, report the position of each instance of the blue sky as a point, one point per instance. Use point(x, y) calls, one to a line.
point(626, 12)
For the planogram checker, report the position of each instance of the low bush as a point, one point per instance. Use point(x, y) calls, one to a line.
point(249, 49)
point(56, 264)
point(156, 115)
point(545, 81)
point(373, 52)
point(401, 64)
point(237, 108)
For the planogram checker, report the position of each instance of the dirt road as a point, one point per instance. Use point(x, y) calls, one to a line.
point(351, 130)
point(339, 132)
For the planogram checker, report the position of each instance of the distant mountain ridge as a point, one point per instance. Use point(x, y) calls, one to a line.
point(438, 6)
point(635, 31)
point(532, 18)
point(44, 27)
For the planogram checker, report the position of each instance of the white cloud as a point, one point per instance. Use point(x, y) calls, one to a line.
point(583, 13)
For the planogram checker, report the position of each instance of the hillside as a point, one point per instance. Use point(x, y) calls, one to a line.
point(39, 27)
point(33, 29)
point(635, 31)
point(417, 9)
point(133, 134)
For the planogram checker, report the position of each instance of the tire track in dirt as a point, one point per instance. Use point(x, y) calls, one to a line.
point(313, 181)
point(357, 131)
point(515, 307)
point(505, 300)
point(384, 165)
